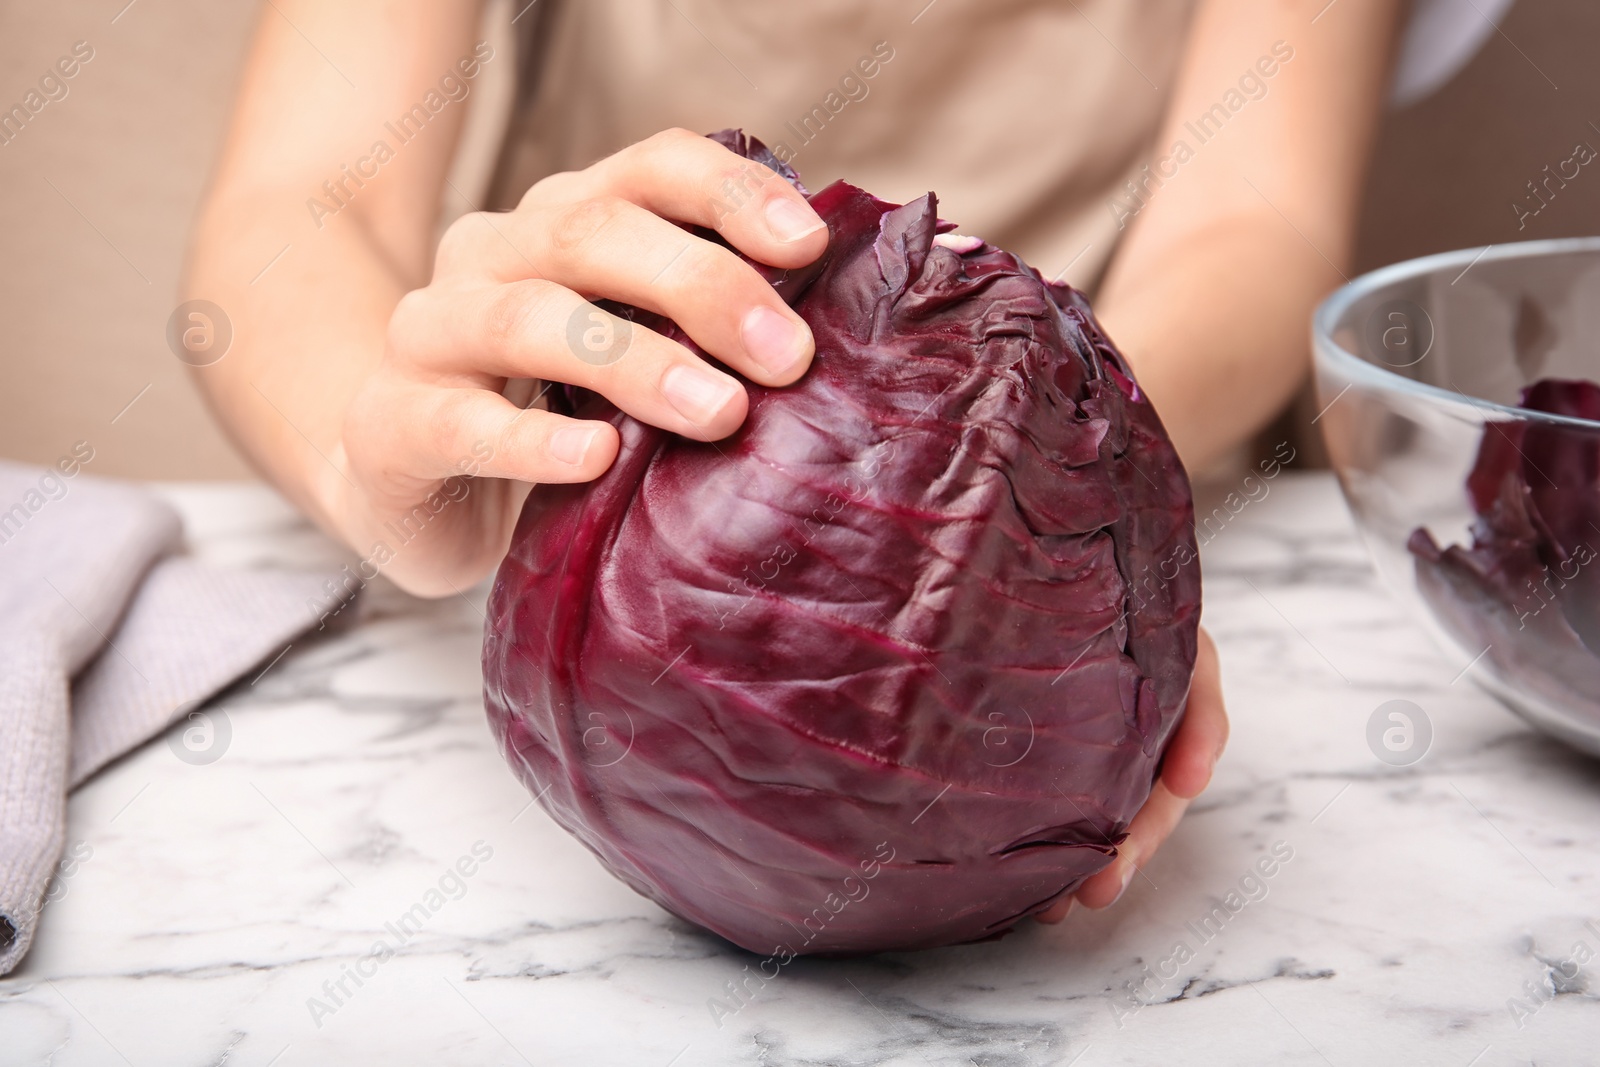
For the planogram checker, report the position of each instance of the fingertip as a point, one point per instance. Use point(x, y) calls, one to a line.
point(1202, 734)
point(1188, 778)
point(603, 449)
point(778, 343)
point(730, 417)
point(576, 450)
point(789, 234)
point(795, 370)
point(790, 220)
point(570, 444)
point(1107, 887)
point(711, 404)
point(727, 421)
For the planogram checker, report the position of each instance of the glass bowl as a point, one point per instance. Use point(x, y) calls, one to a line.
point(1420, 369)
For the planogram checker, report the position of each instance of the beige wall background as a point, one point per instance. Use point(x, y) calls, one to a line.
point(1448, 168)
point(98, 192)
point(99, 189)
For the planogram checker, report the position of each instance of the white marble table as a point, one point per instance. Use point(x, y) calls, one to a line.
point(1428, 914)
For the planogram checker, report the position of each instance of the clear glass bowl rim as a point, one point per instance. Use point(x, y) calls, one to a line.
point(1352, 367)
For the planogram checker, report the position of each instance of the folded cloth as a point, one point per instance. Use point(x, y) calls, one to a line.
point(107, 637)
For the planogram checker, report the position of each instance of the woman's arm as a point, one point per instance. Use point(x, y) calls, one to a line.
point(1250, 220)
point(319, 85)
point(367, 367)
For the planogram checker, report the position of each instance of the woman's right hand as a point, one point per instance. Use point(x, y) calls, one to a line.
point(510, 298)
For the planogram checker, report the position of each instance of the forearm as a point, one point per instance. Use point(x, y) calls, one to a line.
point(321, 216)
point(1245, 217)
point(1216, 328)
point(306, 332)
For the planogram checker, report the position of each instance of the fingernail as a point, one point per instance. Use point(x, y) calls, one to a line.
point(773, 341)
point(788, 221)
point(696, 392)
point(1127, 876)
point(571, 443)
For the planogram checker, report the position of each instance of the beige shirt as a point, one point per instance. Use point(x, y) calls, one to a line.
point(1019, 113)
point(1026, 117)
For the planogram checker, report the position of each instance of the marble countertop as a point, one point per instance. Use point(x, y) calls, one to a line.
point(342, 870)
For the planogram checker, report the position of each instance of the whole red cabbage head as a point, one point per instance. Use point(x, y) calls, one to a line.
point(891, 667)
point(1527, 590)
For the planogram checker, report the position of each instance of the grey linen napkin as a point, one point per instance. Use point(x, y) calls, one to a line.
point(106, 638)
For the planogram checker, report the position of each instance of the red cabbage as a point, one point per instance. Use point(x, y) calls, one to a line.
point(867, 674)
point(1528, 589)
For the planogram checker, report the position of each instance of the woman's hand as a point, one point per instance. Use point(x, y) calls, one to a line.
point(1185, 772)
point(510, 298)
point(384, 379)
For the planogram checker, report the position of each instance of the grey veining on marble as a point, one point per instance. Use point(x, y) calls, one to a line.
point(357, 878)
